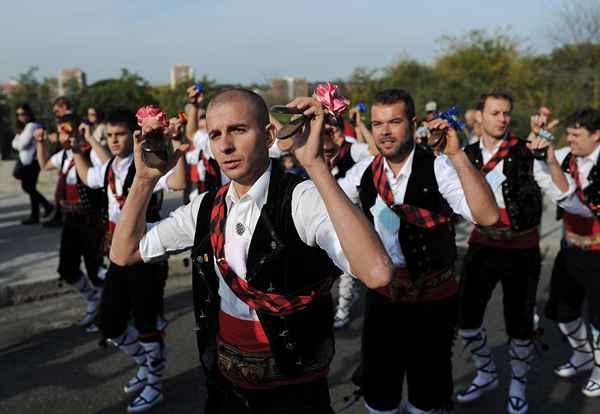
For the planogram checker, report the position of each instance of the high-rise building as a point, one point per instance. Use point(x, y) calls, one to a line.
point(68, 75)
point(180, 74)
point(288, 87)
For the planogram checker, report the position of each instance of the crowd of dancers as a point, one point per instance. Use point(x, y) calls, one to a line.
point(281, 203)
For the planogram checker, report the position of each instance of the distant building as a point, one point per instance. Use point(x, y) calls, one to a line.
point(68, 75)
point(288, 87)
point(8, 88)
point(181, 74)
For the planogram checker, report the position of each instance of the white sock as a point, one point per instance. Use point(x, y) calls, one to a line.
point(346, 295)
point(156, 364)
point(576, 334)
point(374, 411)
point(596, 371)
point(521, 355)
point(475, 341)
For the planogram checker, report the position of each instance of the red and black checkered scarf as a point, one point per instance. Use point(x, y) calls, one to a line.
point(258, 300)
point(574, 171)
point(113, 187)
point(503, 151)
point(343, 150)
point(414, 215)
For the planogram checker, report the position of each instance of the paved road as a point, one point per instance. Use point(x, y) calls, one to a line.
point(48, 365)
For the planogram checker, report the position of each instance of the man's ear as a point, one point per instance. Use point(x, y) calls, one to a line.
point(271, 134)
point(478, 116)
point(596, 135)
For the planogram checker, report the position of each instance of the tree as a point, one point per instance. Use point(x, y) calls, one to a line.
point(6, 132)
point(576, 21)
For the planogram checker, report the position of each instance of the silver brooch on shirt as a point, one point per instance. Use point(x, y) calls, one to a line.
point(239, 229)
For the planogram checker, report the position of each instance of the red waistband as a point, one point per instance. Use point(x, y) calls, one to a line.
point(401, 283)
point(523, 240)
point(582, 232)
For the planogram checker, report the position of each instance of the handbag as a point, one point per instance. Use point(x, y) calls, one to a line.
point(19, 170)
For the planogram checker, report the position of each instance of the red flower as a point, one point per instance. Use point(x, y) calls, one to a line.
point(329, 97)
point(150, 117)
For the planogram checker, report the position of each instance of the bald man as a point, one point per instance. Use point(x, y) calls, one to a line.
point(263, 249)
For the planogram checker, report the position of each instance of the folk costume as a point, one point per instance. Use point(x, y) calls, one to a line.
point(412, 213)
point(261, 279)
point(507, 253)
point(574, 276)
point(133, 292)
point(81, 235)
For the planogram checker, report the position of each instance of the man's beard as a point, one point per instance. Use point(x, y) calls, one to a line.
point(402, 152)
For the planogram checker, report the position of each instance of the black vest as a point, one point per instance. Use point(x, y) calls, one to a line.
point(153, 211)
point(344, 163)
point(279, 262)
point(90, 198)
point(426, 250)
point(592, 191)
point(522, 195)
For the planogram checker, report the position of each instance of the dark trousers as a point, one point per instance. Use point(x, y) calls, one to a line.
point(29, 180)
point(575, 277)
point(518, 270)
point(132, 292)
point(81, 236)
point(408, 340)
point(226, 398)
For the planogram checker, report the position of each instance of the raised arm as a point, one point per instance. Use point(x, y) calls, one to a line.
point(98, 148)
point(360, 244)
point(364, 133)
point(194, 99)
point(42, 150)
point(478, 194)
point(132, 225)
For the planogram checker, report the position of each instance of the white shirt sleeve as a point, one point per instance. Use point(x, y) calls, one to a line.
point(359, 151)
point(351, 181)
point(56, 159)
point(450, 187)
point(95, 175)
point(172, 235)
point(25, 138)
point(541, 173)
point(314, 225)
point(162, 183)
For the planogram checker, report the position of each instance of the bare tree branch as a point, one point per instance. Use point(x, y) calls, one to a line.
point(577, 21)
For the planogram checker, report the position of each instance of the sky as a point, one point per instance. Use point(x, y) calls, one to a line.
point(236, 41)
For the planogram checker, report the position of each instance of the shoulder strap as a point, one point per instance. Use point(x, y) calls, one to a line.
point(105, 185)
point(129, 179)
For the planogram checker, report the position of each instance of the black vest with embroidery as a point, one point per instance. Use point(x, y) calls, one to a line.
point(279, 262)
point(592, 191)
point(153, 211)
point(426, 250)
point(344, 163)
point(522, 195)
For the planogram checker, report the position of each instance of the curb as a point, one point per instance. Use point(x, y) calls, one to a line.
point(44, 289)
point(30, 292)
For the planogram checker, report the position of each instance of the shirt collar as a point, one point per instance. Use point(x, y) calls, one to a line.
point(593, 157)
point(494, 150)
point(123, 163)
point(404, 171)
point(258, 192)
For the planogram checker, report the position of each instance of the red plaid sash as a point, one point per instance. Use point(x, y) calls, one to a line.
point(502, 153)
point(344, 149)
point(212, 173)
point(258, 300)
point(414, 215)
point(578, 190)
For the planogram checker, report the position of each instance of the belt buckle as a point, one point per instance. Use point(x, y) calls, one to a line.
point(402, 289)
point(239, 370)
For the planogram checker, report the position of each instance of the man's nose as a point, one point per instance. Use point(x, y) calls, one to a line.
point(225, 144)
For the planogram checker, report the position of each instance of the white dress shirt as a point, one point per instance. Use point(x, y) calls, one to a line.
point(25, 144)
point(120, 168)
point(71, 172)
point(572, 204)
point(541, 174)
point(386, 222)
point(176, 233)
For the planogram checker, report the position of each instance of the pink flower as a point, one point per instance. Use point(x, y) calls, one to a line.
point(544, 111)
point(333, 102)
point(151, 117)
